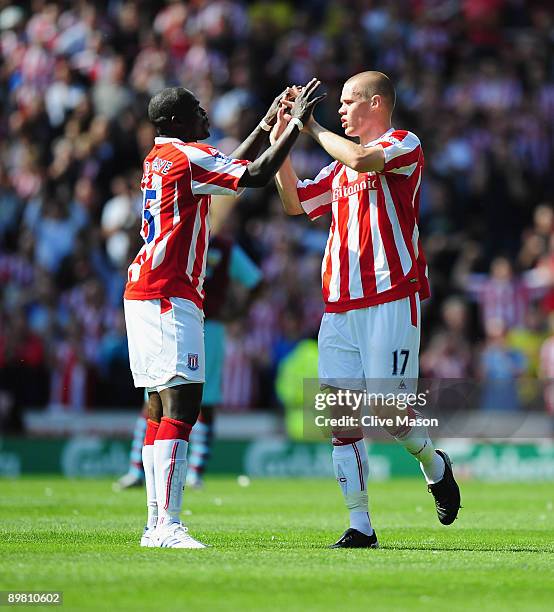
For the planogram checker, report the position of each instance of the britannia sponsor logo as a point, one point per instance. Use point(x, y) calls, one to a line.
point(369, 182)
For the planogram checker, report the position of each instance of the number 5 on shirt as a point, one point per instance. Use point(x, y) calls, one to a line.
point(148, 223)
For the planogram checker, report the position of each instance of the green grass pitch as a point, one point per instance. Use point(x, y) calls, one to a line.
point(268, 548)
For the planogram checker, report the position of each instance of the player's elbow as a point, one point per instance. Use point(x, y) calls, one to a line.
point(362, 164)
point(259, 181)
point(364, 160)
point(357, 163)
point(291, 205)
point(253, 177)
point(293, 211)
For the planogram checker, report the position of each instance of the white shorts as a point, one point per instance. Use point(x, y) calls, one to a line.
point(374, 349)
point(166, 342)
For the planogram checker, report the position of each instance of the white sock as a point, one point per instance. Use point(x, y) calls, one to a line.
point(352, 470)
point(418, 444)
point(361, 522)
point(150, 481)
point(170, 465)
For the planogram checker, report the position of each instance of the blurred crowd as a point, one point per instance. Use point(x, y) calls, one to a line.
point(474, 79)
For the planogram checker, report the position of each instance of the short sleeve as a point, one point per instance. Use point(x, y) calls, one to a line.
point(243, 270)
point(402, 151)
point(212, 172)
point(316, 195)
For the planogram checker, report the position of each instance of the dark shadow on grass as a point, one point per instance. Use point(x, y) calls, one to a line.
point(318, 546)
point(514, 549)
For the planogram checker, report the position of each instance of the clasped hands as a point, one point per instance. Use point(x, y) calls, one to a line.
point(286, 102)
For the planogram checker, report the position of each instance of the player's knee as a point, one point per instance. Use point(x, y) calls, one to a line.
point(154, 407)
point(392, 417)
point(182, 402)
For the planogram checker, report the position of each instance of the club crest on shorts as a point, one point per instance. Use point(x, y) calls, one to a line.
point(192, 362)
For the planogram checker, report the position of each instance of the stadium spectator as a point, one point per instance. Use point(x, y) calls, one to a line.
point(449, 353)
point(500, 367)
point(501, 295)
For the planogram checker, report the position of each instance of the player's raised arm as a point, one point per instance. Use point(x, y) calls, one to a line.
point(310, 196)
point(286, 181)
point(286, 178)
point(355, 156)
point(261, 171)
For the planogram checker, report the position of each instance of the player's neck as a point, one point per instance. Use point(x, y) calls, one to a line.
point(185, 137)
point(374, 131)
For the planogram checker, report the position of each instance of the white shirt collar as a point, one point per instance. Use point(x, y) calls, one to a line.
point(160, 140)
point(370, 144)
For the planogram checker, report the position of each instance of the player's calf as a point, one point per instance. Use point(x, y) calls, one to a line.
point(415, 439)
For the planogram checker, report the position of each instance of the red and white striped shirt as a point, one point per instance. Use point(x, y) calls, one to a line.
point(373, 253)
point(178, 181)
